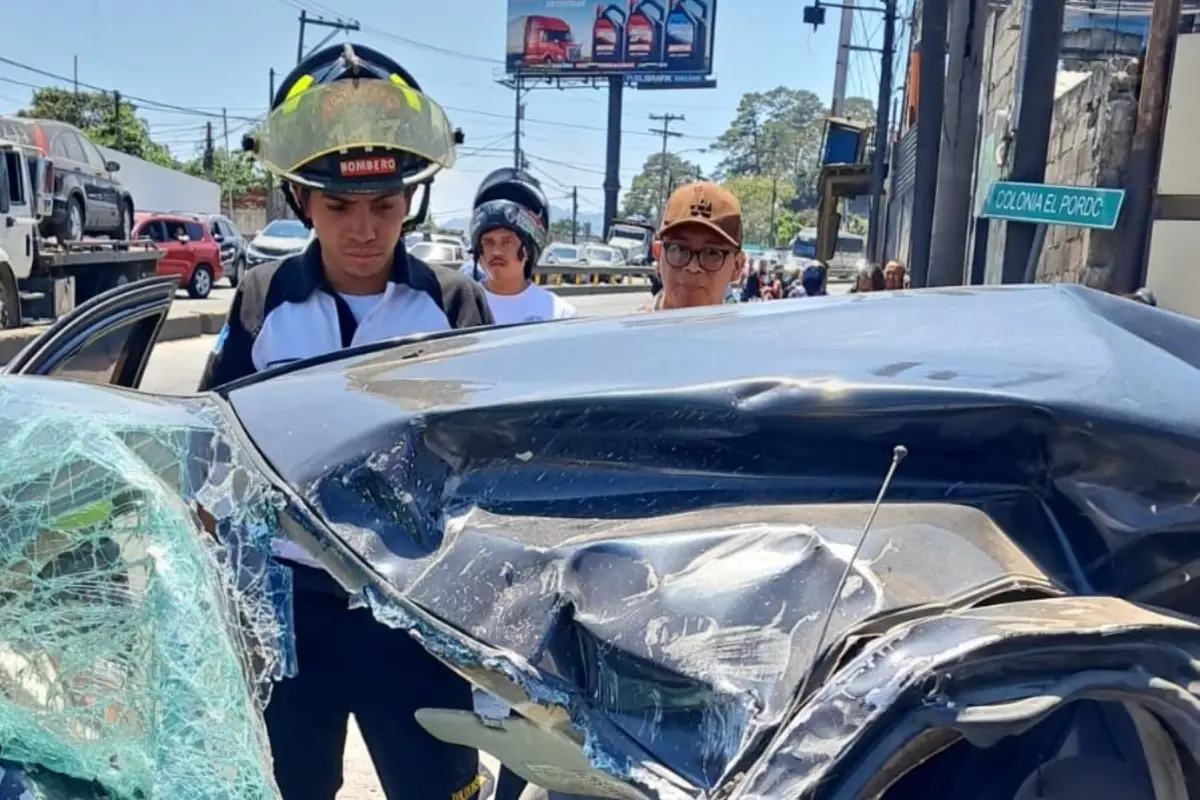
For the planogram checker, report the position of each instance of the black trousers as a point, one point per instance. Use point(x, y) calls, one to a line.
point(351, 664)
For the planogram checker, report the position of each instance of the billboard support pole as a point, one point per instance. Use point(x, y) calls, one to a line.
point(612, 161)
point(518, 112)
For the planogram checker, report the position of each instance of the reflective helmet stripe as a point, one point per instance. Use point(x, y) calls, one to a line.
point(292, 101)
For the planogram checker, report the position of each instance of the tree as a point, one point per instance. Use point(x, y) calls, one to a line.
point(772, 133)
point(642, 197)
point(754, 193)
point(561, 230)
point(236, 173)
point(779, 134)
point(96, 114)
point(860, 109)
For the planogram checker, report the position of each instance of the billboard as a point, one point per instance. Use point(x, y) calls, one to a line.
point(655, 41)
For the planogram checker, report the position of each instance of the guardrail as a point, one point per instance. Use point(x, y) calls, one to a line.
point(552, 274)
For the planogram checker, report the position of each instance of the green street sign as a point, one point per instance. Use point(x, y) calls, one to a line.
point(1044, 204)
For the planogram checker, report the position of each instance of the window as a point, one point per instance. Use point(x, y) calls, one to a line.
point(194, 231)
point(72, 147)
point(94, 157)
point(104, 360)
point(154, 230)
point(850, 244)
point(13, 167)
point(286, 229)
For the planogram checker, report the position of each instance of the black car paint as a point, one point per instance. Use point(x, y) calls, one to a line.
point(497, 493)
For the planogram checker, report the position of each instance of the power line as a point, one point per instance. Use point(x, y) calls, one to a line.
point(141, 101)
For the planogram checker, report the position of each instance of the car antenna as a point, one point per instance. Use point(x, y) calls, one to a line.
point(899, 452)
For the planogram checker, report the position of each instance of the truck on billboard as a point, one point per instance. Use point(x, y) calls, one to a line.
point(581, 37)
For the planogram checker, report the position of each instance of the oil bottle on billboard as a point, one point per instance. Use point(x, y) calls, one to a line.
point(644, 31)
point(608, 35)
point(686, 36)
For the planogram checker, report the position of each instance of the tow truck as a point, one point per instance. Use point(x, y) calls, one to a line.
point(42, 278)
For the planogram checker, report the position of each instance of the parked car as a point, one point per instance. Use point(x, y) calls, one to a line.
point(88, 198)
point(190, 252)
point(726, 569)
point(280, 239)
point(446, 254)
point(233, 246)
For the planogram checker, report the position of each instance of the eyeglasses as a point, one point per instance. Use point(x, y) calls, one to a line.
point(710, 259)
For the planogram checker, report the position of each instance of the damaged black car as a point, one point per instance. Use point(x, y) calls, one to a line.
point(945, 549)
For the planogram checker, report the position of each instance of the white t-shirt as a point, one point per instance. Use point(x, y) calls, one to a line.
point(535, 303)
point(361, 304)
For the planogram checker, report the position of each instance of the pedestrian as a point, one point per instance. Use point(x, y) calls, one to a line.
point(813, 281)
point(753, 286)
point(895, 276)
point(353, 139)
point(510, 226)
point(701, 235)
point(869, 279)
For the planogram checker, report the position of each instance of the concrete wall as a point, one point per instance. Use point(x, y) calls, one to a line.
point(1090, 137)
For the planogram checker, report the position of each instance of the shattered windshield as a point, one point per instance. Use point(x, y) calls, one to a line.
point(140, 617)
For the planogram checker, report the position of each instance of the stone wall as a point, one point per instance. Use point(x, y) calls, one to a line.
point(1090, 137)
point(1090, 140)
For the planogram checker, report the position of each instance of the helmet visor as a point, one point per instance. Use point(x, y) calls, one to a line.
point(370, 113)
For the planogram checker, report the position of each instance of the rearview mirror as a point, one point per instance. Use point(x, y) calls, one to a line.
point(183, 238)
point(218, 237)
point(112, 166)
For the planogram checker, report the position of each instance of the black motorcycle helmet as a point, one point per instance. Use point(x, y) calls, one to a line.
point(350, 120)
point(512, 199)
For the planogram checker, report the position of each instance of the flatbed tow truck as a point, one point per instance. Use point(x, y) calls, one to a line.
point(40, 278)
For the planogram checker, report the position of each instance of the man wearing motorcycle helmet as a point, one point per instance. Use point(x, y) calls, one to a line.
point(510, 223)
point(353, 140)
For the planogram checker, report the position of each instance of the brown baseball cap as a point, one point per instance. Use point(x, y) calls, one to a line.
point(707, 204)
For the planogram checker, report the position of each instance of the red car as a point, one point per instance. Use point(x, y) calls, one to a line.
point(189, 250)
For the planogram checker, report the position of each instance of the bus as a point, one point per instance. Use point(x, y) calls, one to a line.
point(850, 250)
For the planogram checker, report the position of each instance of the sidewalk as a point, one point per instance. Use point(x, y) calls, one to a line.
point(360, 782)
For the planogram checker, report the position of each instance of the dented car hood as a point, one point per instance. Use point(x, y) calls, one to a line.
point(654, 541)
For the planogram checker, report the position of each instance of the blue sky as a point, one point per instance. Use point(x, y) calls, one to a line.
point(200, 58)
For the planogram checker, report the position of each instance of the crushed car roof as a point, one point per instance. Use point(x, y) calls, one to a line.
point(527, 484)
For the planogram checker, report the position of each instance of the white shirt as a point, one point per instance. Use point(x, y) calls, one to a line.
point(535, 303)
point(361, 304)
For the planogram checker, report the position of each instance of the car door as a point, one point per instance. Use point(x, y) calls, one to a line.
point(176, 259)
point(106, 340)
point(106, 187)
point(227, 245)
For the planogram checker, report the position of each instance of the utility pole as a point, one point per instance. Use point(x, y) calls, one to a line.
point(1145, 151)
point(270, 209)
point(952, 208)
point(225, 125)
point(334, 24)
point(117, 140)
point(882, 124)
point(1041, 33)
point(574, 215)
point(208, 150)
point(666, 132)
point(931, 55)
point(842, 64)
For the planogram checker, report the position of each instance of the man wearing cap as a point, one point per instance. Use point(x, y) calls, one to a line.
point(701, 234)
